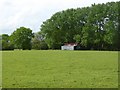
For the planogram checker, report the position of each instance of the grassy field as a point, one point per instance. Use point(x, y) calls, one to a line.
point(0, 70)
point(60, 69)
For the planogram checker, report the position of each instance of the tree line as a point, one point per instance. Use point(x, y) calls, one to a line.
point(22, 38)
point(95, 27)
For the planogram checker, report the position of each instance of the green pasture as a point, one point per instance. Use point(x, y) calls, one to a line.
point(59, 69)
point(0, 70)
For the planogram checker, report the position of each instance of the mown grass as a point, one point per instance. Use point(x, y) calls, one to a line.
point(0, 69)
point(60, 69)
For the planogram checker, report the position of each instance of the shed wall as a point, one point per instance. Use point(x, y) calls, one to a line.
point(67, 47)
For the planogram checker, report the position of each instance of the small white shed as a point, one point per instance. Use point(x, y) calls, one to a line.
point(69, 46)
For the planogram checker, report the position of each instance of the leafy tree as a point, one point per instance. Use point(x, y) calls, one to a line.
point(6, 44)
point(21, 38)
point(0, 42)
point(94, 27)
point(77, 38)
point(38, 42)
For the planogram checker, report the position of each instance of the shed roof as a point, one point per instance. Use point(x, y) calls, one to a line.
point(70, 44)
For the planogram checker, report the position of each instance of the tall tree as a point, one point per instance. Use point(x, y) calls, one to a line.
point(21, 38)
point(95, 25)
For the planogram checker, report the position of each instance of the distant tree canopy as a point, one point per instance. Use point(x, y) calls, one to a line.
point(5, 40)
point(38, 42)
point(94, 27)
point(21, 38)
point(0, 42)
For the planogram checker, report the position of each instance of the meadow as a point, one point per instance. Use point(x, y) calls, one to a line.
point(59, 69)
point(0, 69)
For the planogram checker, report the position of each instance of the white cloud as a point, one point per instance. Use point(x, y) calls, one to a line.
point(31, 13)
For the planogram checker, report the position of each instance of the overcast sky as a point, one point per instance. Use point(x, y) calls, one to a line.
point(31, 13)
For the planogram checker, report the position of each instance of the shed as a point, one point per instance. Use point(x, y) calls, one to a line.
point(70, 46)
